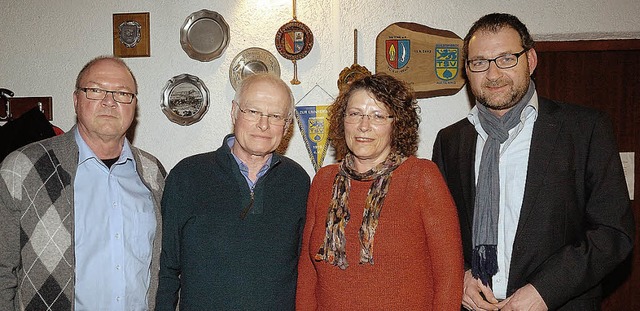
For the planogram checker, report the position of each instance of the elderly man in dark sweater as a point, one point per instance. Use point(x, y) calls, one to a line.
point(234, 216)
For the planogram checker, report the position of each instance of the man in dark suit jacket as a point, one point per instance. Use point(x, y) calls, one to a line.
point(541, 196)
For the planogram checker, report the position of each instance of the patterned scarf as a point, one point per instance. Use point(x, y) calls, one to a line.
point(333, 250)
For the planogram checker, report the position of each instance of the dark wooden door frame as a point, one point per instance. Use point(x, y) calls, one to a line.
point(588, 45)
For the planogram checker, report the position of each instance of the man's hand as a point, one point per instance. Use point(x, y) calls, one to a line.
point(472, 295)
point(526, 298)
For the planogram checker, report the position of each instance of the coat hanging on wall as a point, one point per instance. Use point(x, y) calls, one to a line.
point(27, 121)
point(30, 127)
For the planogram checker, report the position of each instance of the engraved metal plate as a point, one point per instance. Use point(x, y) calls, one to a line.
point(204, 35)
point(129, 33)
point(251, 61)
point(185, 99)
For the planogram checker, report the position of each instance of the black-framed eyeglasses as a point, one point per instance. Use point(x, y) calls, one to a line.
point(255, 115)
point(374, 118)
point(120, 97)
point(503, 62)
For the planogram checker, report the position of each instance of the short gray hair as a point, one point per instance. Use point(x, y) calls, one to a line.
point(264, 76)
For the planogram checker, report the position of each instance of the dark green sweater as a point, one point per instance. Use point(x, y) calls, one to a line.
point(213, 259)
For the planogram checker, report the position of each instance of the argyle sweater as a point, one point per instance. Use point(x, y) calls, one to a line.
point(37, 251)
point(212, 259)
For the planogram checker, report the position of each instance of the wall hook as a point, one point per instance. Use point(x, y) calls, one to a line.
point(5, 95)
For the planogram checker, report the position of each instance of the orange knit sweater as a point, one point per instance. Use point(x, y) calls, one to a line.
point(417, 249)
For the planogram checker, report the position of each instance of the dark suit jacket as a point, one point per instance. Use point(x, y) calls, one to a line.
point(576, 222)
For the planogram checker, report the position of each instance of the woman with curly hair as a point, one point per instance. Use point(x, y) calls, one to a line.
point(379, 194)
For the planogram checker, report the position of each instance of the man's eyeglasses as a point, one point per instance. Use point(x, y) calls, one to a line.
point(502, 62)
point(374, 118)
point(120, 97)
point(255, 115)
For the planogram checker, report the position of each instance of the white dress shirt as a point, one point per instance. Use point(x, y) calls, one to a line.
point(514, 158)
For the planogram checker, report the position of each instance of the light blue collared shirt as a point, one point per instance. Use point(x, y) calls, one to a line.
point(514, 159)
point(114, 230)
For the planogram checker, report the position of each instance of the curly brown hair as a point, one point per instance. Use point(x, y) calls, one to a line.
point(398, 98)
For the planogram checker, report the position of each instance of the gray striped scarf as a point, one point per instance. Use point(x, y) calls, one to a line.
point(487, 202)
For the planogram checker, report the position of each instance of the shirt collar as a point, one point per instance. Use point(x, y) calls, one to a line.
point(232, 140)
point(85, 153)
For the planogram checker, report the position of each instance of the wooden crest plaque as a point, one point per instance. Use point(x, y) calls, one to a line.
point(430, 60)
point(131, 35)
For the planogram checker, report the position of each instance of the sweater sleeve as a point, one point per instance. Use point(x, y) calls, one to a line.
point(307, 277)
point(169, 275)
point(10, 233)
point(440, 219)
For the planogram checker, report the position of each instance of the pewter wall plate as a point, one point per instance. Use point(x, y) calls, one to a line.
point(204, 35)
point(251, 61)
point(185, 99)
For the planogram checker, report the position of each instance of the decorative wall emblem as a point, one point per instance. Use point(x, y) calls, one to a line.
point(398, 53)
point(446, 60)
point(427, 59)
point(131, 37)
point(129, 33)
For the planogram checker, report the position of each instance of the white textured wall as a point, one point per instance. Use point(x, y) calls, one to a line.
point(43, 45)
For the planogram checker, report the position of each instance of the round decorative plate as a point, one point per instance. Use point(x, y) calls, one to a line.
point(204, 35)
point(185, 99)
point(251, 61)
point(294, 40)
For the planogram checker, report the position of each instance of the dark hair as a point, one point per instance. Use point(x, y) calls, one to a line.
point(398, 98)
point(495, 22)
point(101, 58)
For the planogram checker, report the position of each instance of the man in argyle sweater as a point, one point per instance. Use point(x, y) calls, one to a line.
point(79, 213)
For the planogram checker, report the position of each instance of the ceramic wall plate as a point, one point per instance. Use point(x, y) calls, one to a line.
point(185, 99)
point(204, 35)
point(251, 61)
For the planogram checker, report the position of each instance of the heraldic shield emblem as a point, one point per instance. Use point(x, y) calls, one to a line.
point(129, 33)
point(294, 42)
point(398, 53)
point(446, 61)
